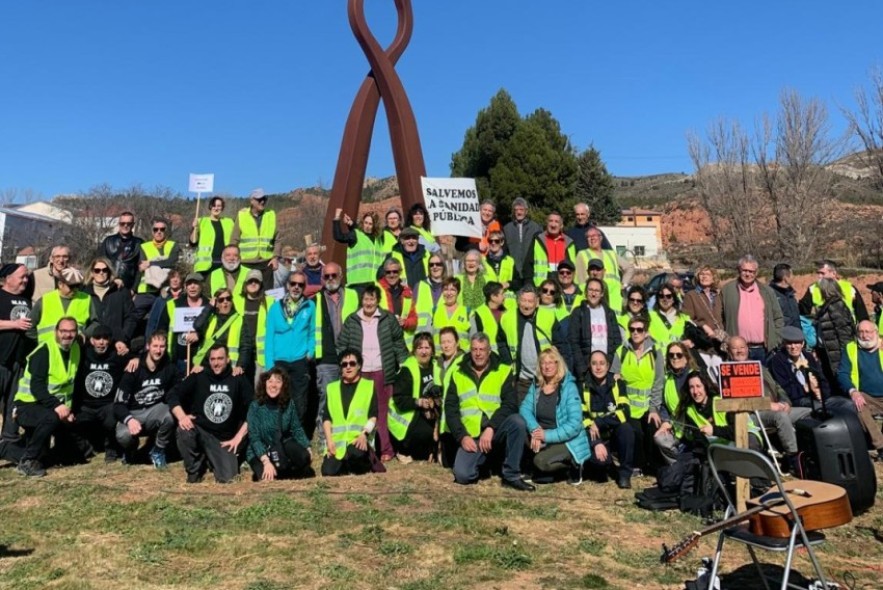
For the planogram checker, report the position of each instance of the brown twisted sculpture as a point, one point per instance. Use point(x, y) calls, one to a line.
point(381, 82)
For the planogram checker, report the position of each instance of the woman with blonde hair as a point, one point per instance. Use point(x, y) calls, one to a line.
point(112, 303)
point(553, 413)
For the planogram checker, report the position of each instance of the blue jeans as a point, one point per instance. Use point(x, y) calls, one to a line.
point(513, 431)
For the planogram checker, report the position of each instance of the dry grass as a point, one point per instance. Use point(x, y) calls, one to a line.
point(98, 527)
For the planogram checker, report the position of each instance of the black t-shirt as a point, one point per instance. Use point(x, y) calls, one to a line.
point(14, 345)
point(218, 402)
point(219, 245)
point(98, 377)
point(425, 379)
point(546, 405)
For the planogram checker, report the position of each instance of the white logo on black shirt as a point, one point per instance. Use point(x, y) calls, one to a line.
point(218, 407)
point(98, 383)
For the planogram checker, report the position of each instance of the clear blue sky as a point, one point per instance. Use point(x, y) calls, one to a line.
point(258, 91)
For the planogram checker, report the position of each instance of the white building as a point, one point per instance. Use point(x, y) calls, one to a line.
point(634, 242)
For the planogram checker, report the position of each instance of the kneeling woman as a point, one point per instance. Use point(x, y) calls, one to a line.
point(553, 415)
point(416, 401)
point(696, 411)
point(349, 419)
point(277, 445)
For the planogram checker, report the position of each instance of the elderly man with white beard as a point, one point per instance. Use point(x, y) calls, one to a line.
point(231, 275)
point(861, 376)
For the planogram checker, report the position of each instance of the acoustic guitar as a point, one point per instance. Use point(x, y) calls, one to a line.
point(820, 505)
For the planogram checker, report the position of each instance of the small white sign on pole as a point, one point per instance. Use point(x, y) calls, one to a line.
point(453, 207)
point(202, 183)
point(184, 318)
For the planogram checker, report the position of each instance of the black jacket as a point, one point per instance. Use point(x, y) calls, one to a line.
point(788, 303)
point(508, 398)
point(116, 311)
point(835, 328)
point(144, 388)
point(123, 254)
point(580, 336)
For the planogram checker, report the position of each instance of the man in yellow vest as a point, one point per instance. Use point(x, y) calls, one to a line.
point(156, 258)
point(231, 275)
point(827, 269)
point(255, 234)
point(42, 405)
point(334, 303)
point(615, 266)
point(65, 300)
point(861, 376)
point(548, 249)
point(349, 419)
point(209, 236)
point(481, 410)
point(486, 318)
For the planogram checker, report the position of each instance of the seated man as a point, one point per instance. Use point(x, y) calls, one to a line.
point(861, 376)
point(140, 405)
point(100, 373)
point(350, 417)
point(211, 407)
point(481, 409)
point(42, 404)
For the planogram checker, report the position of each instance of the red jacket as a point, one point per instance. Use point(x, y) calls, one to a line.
point(410, 314)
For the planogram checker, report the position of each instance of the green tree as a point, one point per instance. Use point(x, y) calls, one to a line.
point(594, 186)
point(511, 157)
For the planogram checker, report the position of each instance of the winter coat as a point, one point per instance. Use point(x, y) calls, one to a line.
point(568, 419)
point(392, 341)
point(835, 328)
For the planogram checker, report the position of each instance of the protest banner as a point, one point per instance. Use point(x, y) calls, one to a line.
point(452, 204)
point(184, 318)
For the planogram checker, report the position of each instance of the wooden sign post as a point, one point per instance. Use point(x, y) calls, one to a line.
point(741, 385)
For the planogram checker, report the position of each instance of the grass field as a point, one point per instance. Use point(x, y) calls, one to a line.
point(107, 527)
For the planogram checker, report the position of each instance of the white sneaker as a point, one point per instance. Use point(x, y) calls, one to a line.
point(404, 459)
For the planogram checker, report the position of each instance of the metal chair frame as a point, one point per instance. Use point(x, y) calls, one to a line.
point(748, 464)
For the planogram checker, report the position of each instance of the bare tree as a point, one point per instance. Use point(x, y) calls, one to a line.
point(866, 123)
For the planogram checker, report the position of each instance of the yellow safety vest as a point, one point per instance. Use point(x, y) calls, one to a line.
point(349, 305)
point(545, 323)
point(477, 401)
point(638, 376)
point(232, 327)
point(845, 289)
point(672, 399)
point(362, 259)
point(206, 242)
point(589, 416)
point(388, 240)
point(79, 308)
point(346, 428)
point(255, 244)
point(507, 270)
point(425, 306)
point(541, 266)
point(60, 380)
point(459, 320)
point(719, 419)
point(399, 422)
point(261, 331)
point(489, 324)
point(218, 280)
point(152, 253)
point(400, 258)
point(663, 334)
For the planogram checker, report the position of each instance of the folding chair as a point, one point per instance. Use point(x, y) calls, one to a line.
point(750, 464)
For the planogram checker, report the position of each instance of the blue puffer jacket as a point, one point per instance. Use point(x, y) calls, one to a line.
point(568, 416)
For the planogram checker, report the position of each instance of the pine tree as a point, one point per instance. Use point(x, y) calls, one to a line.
point(594, 186)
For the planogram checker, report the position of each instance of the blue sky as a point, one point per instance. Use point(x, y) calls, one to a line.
point(257, 92)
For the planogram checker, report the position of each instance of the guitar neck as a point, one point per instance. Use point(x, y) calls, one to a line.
point(738, 518)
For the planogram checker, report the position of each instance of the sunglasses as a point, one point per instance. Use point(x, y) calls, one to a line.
point(329, 277)
point(296, 284)
point(676, 355)
point(666, 296)
point(348, 364)
point(409, 238)
point(103, 270)
point(253, 282)
point(435, 265)
point(636, 330)
point(393, 272)
point(157, 230)
point(565, 271)
point(261, 200)
point(635, 300)
point(224, 299)
point(127, 223)
point(548, 291)
point(495, 241)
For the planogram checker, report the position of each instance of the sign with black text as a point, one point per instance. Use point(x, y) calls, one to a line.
point(184, 318)
point(740, 379)
point(453, 208)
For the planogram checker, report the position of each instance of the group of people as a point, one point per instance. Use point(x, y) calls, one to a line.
point(538, 357)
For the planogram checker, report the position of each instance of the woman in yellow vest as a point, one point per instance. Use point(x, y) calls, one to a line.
point(550, 298)
point(253, 304)
point(416, 403)
point(389, 237)
point(418, 219)
point(363, 253)
point(349, 420)
point(667, 322)
point(679, 363)
point(451, 313)
point(703, 422)
point(209, 236)
point(635, 304)
point(219, 323)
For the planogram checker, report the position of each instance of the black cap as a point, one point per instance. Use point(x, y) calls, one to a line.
point(9, 268)
point(566, 264)
point(102, 331)
point(596, 263)
point(792, 334)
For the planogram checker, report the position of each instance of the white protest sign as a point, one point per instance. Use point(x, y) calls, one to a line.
point(202, 183)
point(452, 204)
point(276, 294)
point(184, 318)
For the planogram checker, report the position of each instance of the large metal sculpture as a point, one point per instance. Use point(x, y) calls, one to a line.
point(381, 82)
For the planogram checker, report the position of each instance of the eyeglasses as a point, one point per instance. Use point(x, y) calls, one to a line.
point(330, 276)
point(127, 223)
point(157, 230)
point(635, 300)
point(565, 271)
point(676, 355)
point(748, 271)
point(296, 284)
point(103, 270)
point(435, 265)
point(666, 296)
point(549, 291)
point(636, 330)
point(393, 272)
point(348, 364)
point(598, 291)
point(495, 241)
point(261, 200)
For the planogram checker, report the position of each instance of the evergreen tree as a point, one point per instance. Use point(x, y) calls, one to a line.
point(594, 186)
